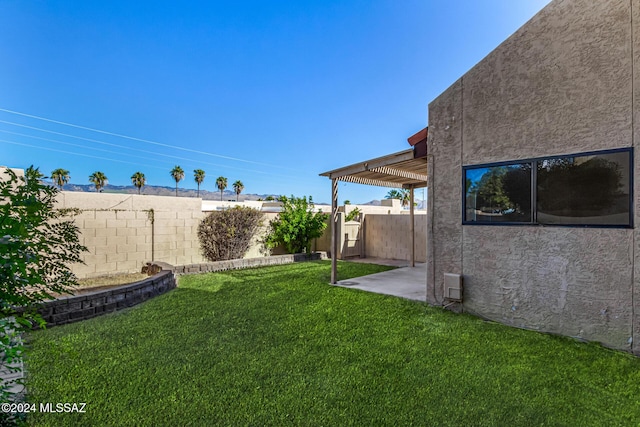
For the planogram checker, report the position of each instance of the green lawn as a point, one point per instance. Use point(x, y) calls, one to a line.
point(279, 346)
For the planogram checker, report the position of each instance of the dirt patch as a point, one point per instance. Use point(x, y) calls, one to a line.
point(101, 283)
point(111, 280)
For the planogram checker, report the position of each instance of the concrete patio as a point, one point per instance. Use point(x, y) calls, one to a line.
point(405, 282)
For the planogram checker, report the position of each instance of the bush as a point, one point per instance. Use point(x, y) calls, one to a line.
point(37, 244)
point(227, 234)
point(354, 215)
point(296, 225)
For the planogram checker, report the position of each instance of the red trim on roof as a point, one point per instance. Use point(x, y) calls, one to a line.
point(418, 137)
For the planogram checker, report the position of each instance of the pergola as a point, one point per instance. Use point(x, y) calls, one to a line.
point(405, 169)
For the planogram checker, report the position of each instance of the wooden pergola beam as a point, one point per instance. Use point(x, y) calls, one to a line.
point(369, 181)
point(400, 173)
point(370, 164)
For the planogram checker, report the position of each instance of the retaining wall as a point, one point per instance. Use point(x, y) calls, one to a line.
point(237, 264)
point(75, 308)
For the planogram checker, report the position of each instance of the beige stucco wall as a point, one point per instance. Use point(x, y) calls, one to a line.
point(561, 84)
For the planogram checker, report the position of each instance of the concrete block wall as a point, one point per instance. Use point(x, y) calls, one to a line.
point(388, 236)
point(122, 232)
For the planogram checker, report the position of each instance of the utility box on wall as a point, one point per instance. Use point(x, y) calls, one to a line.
point(453, 287)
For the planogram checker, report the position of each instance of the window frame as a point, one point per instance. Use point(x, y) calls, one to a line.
point(533, 162)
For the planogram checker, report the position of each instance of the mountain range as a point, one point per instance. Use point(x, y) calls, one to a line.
point(154, 190)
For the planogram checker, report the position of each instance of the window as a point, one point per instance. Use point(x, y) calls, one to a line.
point(589, 189)
point(499, 193)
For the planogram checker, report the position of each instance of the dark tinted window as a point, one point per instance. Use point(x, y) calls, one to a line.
point(591, 189)
point(582, 189)
point(498, 193)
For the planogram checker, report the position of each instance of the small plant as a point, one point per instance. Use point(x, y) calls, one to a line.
point(296, 225)
point(353, 215)
point(227, 234)
point(37, 244)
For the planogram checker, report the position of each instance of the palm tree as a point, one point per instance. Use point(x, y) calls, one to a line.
point(198, 174)
point(402, 195)
point(60, 177)
point(98, 179)
point(221, 183)
point(138, 180)
point(177, 173)
point(238, 186)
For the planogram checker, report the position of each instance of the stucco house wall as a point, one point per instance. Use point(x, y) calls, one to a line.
point(566, 82)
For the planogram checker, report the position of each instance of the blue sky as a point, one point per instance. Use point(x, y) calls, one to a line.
point(271, 93)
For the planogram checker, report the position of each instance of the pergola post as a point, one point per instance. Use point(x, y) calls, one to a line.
point(334, 231)
point(413, 226)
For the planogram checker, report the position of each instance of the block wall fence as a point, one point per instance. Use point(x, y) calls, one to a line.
point(123, 232)
point(388, 236)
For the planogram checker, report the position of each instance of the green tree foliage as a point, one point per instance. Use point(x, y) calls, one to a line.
point(517, 188)
point(353, 215)
point(198, 175)
point(60, 177)
point(138, 180)
point(402, 195)
point(177, 174)
point(98, 179)
point(37, 244)
point(490, 190)
point(227, 234)
point(238, 186)
point(296, 225)
point(221, 183)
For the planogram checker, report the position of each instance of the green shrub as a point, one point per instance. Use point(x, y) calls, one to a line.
point(227, 234)
point(296, 225)
point(37, 244)
point(353, 215)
